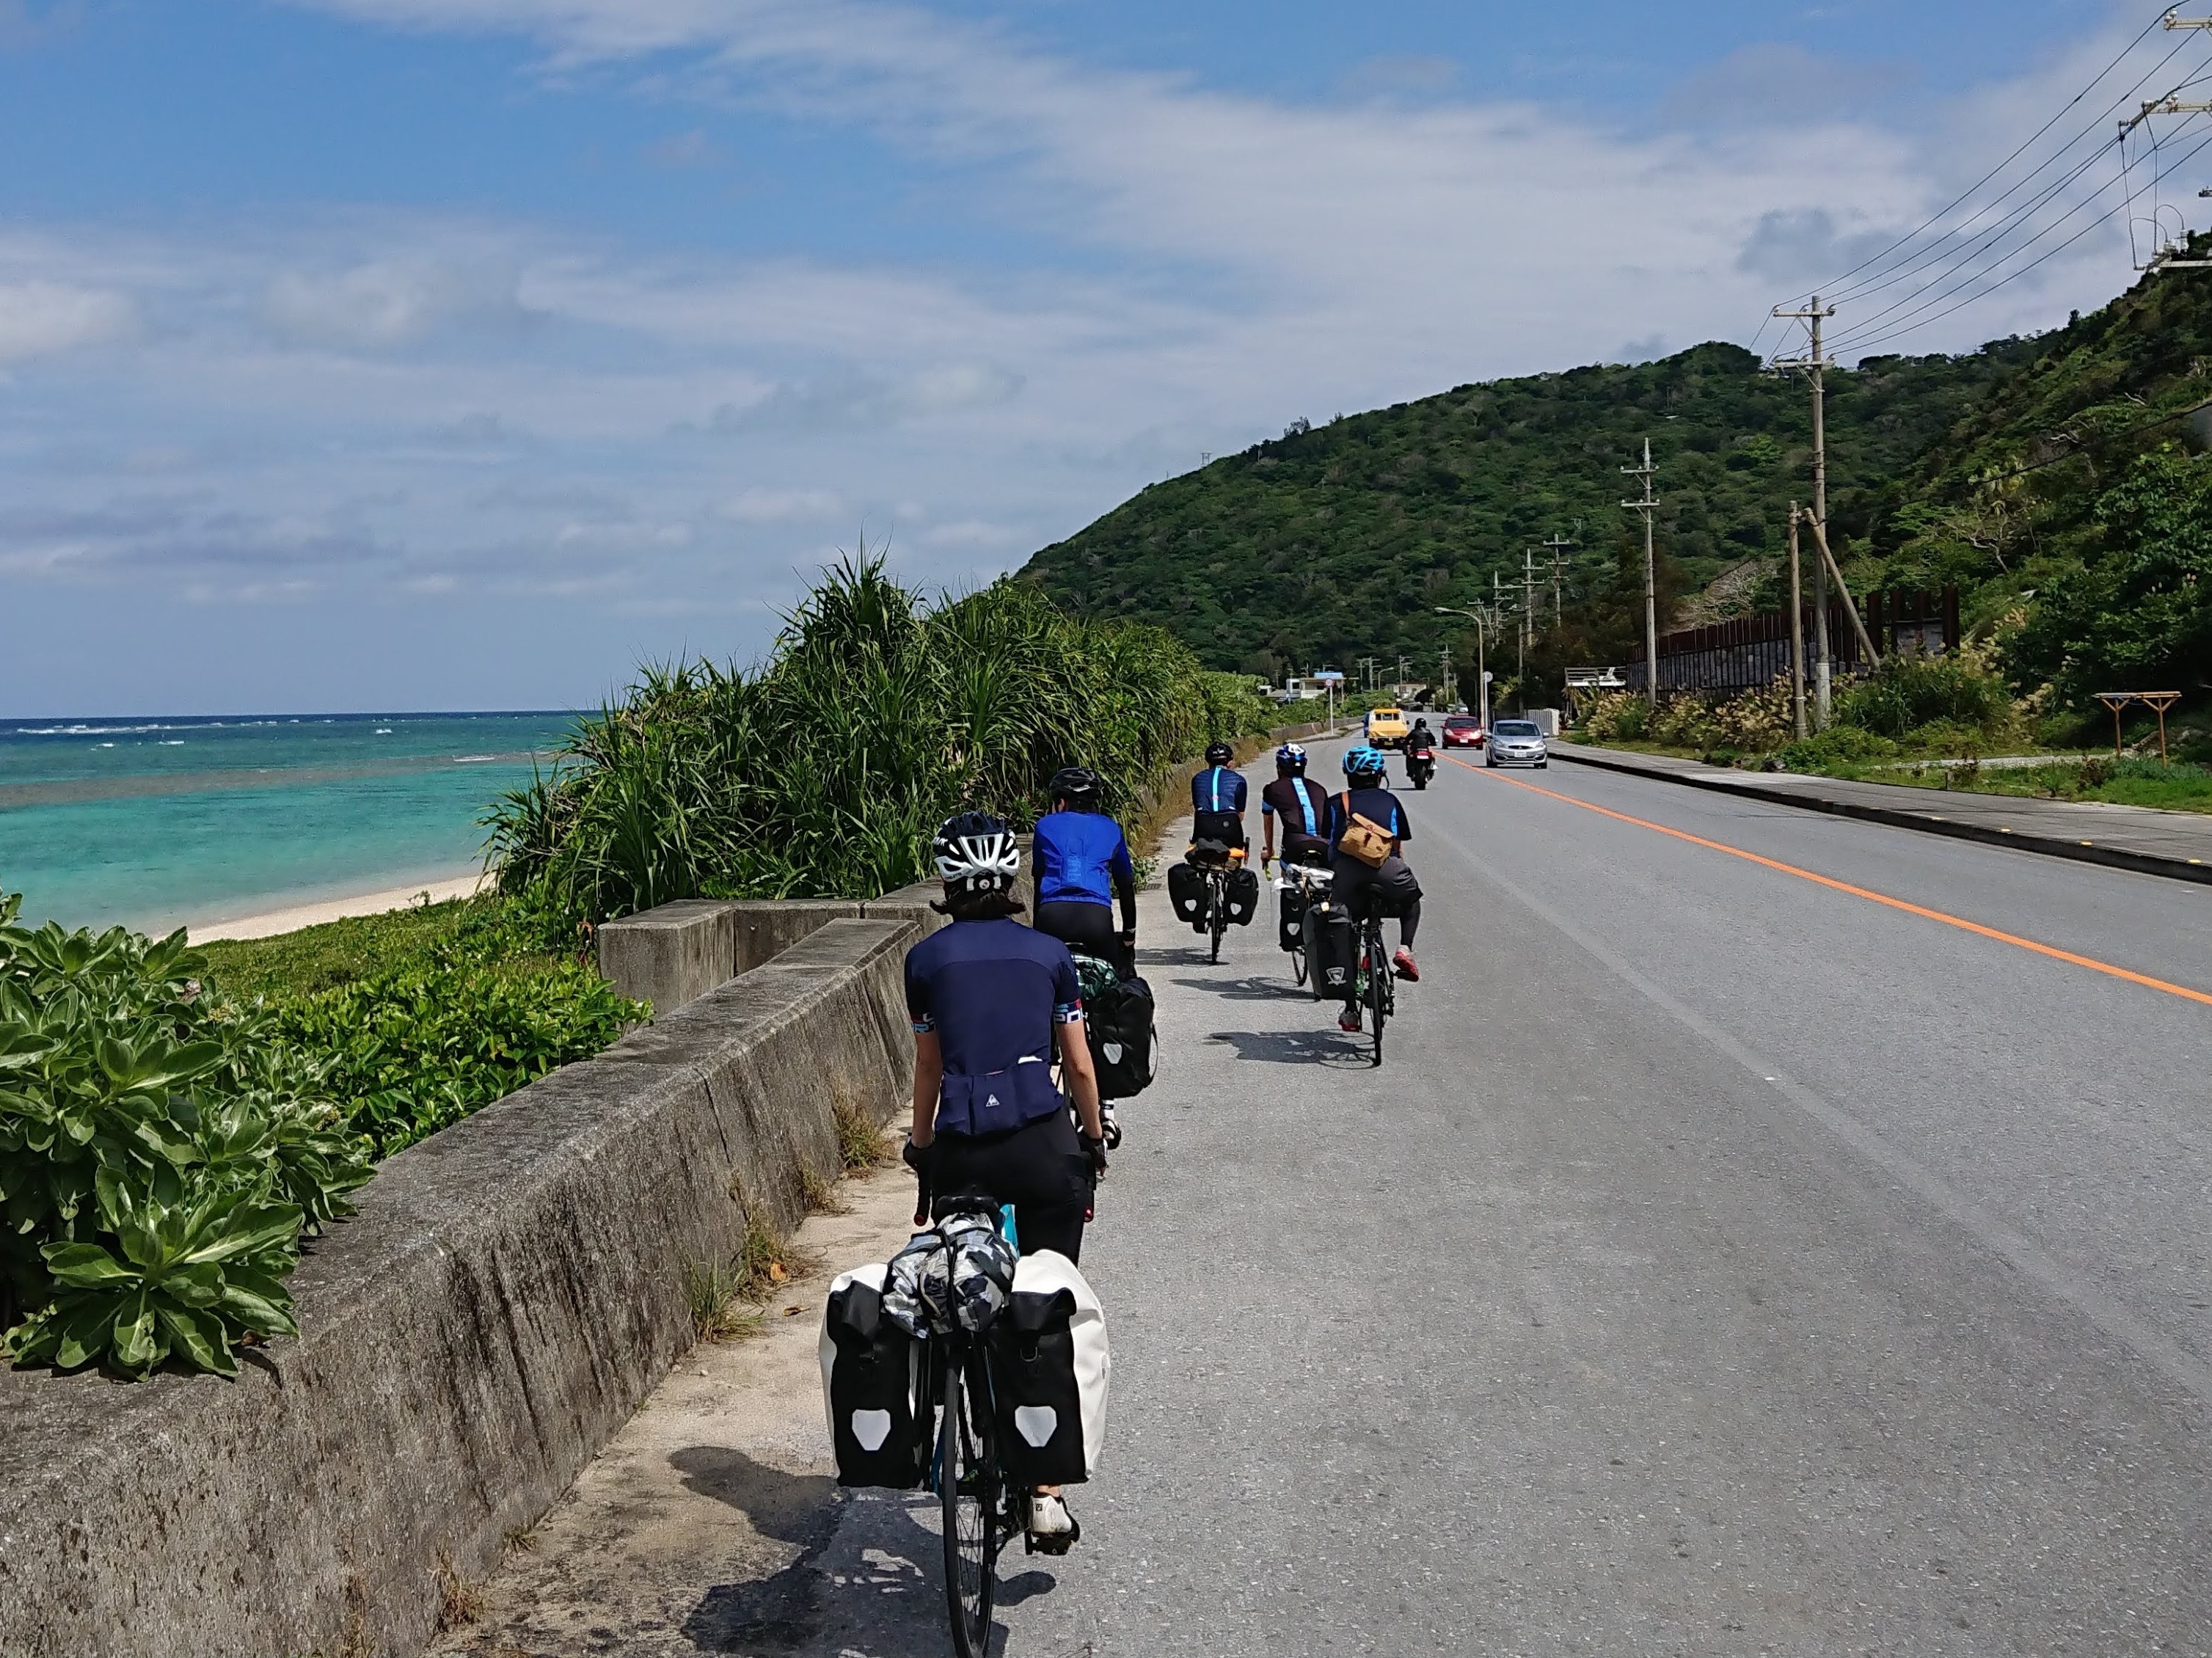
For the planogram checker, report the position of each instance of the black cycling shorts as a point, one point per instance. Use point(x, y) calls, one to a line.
point(1085, 926)
point(1038, 1167)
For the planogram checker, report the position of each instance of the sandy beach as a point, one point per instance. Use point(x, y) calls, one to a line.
point(272, 922)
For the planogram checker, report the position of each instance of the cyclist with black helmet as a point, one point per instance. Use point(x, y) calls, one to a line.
point(1216, 798)
point(992, 1003)
point(1083, 867)
point(1358, 885)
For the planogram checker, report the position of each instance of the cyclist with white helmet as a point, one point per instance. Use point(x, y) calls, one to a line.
point(992, 1002)
point(1358, 885)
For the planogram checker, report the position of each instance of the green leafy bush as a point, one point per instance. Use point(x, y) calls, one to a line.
point(1908, 692)
point(409, 1053)
point(823, 774)
point(159, 1156)
point(1837, 745)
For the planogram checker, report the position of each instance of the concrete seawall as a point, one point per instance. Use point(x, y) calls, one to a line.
point(511, 1289)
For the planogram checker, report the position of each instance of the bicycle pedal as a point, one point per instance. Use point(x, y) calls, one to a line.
point(1032, 1544)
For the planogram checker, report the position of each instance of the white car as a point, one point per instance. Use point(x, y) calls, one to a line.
point(1518, 743)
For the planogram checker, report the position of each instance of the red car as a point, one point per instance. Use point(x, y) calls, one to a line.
point(1464, 731)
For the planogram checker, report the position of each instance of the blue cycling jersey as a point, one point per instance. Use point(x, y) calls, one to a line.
point(1077, 855)
point(992, 992)
point(1218, 789)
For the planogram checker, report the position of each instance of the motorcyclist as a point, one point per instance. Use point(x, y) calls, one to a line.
point(1420, 751)
point(1357, 885)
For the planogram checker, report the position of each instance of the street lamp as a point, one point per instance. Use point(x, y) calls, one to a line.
point(1481, 652)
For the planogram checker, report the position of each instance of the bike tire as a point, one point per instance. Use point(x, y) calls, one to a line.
point(1378, 990)
point(968, 1491)
point(1297, 967)
point(1220, 919)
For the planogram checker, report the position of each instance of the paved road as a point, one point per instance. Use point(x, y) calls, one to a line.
point(1723, 1262)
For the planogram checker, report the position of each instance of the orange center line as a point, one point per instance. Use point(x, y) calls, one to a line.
point(1925, 914)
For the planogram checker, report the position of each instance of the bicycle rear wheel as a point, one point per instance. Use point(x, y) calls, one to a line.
point(1378, 989)
point(1220, 918)
point(967, 1488)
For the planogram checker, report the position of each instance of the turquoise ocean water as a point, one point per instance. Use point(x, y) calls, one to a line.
point(155, 823)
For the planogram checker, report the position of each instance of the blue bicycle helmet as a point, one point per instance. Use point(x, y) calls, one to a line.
point(1365, 762)
point(1290, 760)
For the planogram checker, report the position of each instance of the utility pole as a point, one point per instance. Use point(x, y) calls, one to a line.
point(1648, 506)
point(1444, 675)
point(1527, 598)
point(1816, 365)
point(1559, 544)
point(1796, 628)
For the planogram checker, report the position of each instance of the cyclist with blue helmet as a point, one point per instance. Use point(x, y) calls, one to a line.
point(1357, 886)
point(1216, 798)
point(1083, 867)
point(1302, 804)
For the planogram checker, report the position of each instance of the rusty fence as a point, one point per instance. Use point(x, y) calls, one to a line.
point(1752, 651)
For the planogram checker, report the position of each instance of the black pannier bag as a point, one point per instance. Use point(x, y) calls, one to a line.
point(1291, 925)
point(1242, 895)
point(1032, 1349)
point(1187, 892)
point(875, 1388)
point(1118, 1025)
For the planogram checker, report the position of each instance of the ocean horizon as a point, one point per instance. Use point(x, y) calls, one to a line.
point(159, 821)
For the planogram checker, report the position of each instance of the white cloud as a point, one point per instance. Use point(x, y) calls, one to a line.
point(384, 304)
point(43, 318)
point(761, 506)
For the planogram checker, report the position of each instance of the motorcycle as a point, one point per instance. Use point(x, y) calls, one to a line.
point(1420, 766)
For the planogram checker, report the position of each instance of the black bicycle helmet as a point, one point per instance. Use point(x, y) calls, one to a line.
point(975, 853)
point(1219, 753)
point(1077, 785)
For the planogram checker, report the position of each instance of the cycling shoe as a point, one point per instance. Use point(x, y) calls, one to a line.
point(1052, 1528)
point(1403, 965)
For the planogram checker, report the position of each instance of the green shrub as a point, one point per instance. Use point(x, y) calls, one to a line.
point(409, 1053)
point(1837, 745)
point(159, 1155)
point(1617, 717)
point(823, 774)
point(1908, 692)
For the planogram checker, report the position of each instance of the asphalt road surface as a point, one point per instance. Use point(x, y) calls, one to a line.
point(1722, 1261)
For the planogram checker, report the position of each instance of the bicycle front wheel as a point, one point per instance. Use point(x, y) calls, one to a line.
point(1299, 965)
point(967, 1488)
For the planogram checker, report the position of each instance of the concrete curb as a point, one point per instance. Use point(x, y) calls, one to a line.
point(511, 1290)
point(2142, 863)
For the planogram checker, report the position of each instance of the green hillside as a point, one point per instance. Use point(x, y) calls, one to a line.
point(1336, 543)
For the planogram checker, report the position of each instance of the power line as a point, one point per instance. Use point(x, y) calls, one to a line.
point(1966, 195)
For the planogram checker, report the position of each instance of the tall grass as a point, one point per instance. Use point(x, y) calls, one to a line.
point(877, 716)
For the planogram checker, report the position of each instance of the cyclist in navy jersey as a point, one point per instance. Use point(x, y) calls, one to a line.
point(1302, 804)
point(1357, 886)
point(1083, 867)
point(1217, 799)
point(992, 1002)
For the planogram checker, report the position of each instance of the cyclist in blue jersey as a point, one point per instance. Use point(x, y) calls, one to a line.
point(1083, 867)
point(1357, 885)
point(1217, 799)
point(992, 1002)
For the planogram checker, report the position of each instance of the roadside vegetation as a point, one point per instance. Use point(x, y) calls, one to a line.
point(823, 774)
point(175, 1121)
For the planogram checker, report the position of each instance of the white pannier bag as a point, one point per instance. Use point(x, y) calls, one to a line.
point(1051, 1369)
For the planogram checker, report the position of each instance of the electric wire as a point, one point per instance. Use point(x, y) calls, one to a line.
point(1966, 195)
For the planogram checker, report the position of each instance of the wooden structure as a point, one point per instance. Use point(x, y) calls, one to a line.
point(1753, 651)
point(2118, 701)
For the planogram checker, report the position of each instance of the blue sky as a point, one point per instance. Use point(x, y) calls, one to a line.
point(460, 353)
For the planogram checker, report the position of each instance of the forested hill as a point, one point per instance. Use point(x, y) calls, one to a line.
point(1336, 543)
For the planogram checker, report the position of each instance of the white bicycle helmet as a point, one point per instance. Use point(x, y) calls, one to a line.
point(975, 853)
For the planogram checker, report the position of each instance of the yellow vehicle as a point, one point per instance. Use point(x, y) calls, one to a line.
point(1387, 728)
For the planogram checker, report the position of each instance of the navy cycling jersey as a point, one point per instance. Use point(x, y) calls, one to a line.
point(1078, 853)
point(1378, 806)
point(1218, 789)
point(992, 992)
point(1301, 802)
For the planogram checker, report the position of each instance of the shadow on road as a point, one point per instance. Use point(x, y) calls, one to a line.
point(1252, 989)
point(1296, 1047)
